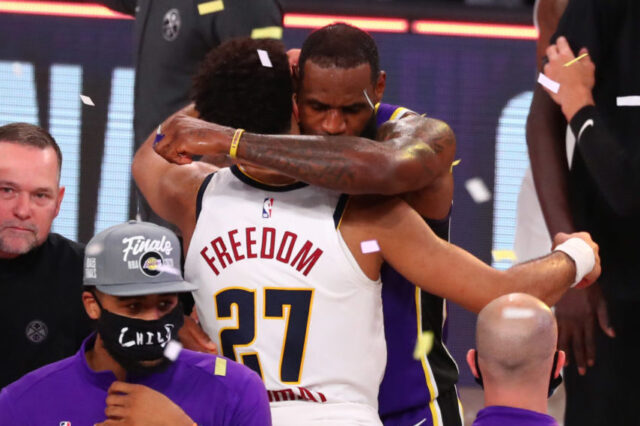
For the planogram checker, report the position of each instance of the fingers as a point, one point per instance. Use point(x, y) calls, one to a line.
point(115, 413)
point(603, 319)
point(118, 387)
point(563, 341)
point(577, 346)
point(563, 48)
point(589, 342)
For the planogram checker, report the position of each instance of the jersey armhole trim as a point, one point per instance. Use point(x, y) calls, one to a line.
point(203, 187)
point(341, 207)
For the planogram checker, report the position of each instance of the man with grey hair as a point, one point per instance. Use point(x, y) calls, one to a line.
point(516, 361)
point(40, 272)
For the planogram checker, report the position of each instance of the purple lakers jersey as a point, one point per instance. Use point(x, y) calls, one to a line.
point(412, 390)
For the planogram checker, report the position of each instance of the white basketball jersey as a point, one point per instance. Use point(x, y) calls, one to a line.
point(280, 291)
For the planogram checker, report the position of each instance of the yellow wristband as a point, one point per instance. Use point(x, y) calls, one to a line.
point(233, 150)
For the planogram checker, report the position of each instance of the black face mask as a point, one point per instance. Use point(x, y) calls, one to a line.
point(554, 382)
point(130, 340)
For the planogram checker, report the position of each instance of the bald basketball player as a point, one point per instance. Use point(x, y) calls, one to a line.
point(516, 360)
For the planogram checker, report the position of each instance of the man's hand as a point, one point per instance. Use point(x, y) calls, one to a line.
point(576, 80)
point(294, 56)
point(194, 338)
point(593, 275)
point(183, 136)
point(132, 405)
point(576, 313)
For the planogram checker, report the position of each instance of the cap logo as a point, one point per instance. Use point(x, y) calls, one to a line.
point(151, 264)
point(138, 244)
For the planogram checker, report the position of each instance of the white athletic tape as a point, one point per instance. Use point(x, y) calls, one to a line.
point(172, 350)
point(554, 86)
point(582, 254)
point(86, 100)
point(628, 101)
point(517, 313)
point(370, 246)
point(478, 190)
point(264, 58)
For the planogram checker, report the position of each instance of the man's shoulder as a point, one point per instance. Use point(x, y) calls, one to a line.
point(51, 377)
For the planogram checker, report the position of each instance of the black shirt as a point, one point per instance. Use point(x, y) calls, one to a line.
point(43, 319)
point(173, 36)
point(604, 177)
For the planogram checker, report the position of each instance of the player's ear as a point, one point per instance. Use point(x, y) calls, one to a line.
point(295, 110)
point(471, 361)
point(562, 357)
point(90, 305)
point(381, 83)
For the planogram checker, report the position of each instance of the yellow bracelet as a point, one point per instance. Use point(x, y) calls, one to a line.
point(233, 150)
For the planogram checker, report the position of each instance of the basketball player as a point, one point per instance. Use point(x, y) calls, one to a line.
point(306, 292)
point(339, 76)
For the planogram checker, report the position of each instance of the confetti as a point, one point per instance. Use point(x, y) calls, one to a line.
point(628, 101)
point(86, 100)
point(210, 7)
point(159, 136)
point(221, 367)
point(423, 345)
point(172, 350)
point(500, 255)
point(370, 246)
point(554, 86)
point(366, 96)
point(420, 422)
point(517, 313)
point(16, 67)
point(573, 61)
point(478, 190)
point(455, 163)
point(267, 32)
point(264, 58)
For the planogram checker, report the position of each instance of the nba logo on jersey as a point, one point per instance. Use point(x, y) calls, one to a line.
point(266, 208)
point(65, 423)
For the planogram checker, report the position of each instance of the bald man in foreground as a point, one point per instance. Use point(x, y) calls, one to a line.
point(516, 361)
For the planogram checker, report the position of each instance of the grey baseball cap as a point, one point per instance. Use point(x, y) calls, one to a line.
point(135, 259)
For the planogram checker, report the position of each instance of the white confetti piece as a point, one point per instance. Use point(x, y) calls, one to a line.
point(366, 96)
point(478, 190)
point(554, 86)
point(370, 246)
point(16, 68)
point(517, 313)
point(172, 350)
point(86, 100)
point(264, 58)
point(628, 101)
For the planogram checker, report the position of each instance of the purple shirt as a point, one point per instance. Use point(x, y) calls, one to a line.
point(70, 391)
point(500, 416)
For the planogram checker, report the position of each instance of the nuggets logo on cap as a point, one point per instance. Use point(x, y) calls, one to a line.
point(151, 264)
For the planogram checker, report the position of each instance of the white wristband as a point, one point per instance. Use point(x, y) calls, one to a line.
point(582, 255)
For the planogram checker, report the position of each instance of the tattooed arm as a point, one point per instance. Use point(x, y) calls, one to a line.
point(417, 151)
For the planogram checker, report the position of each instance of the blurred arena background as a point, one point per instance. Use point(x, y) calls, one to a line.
point(470, 63)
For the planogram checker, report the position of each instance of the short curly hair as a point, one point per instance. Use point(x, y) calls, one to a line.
point(233, 88)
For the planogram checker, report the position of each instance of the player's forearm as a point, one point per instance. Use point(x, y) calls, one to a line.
point(348, 164)
point(609, 164)
point(547, 153)
point(547, 278)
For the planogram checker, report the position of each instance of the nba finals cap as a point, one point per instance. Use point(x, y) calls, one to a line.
point(134, 259)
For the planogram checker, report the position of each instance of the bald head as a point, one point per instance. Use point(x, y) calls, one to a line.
point(516, 335)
